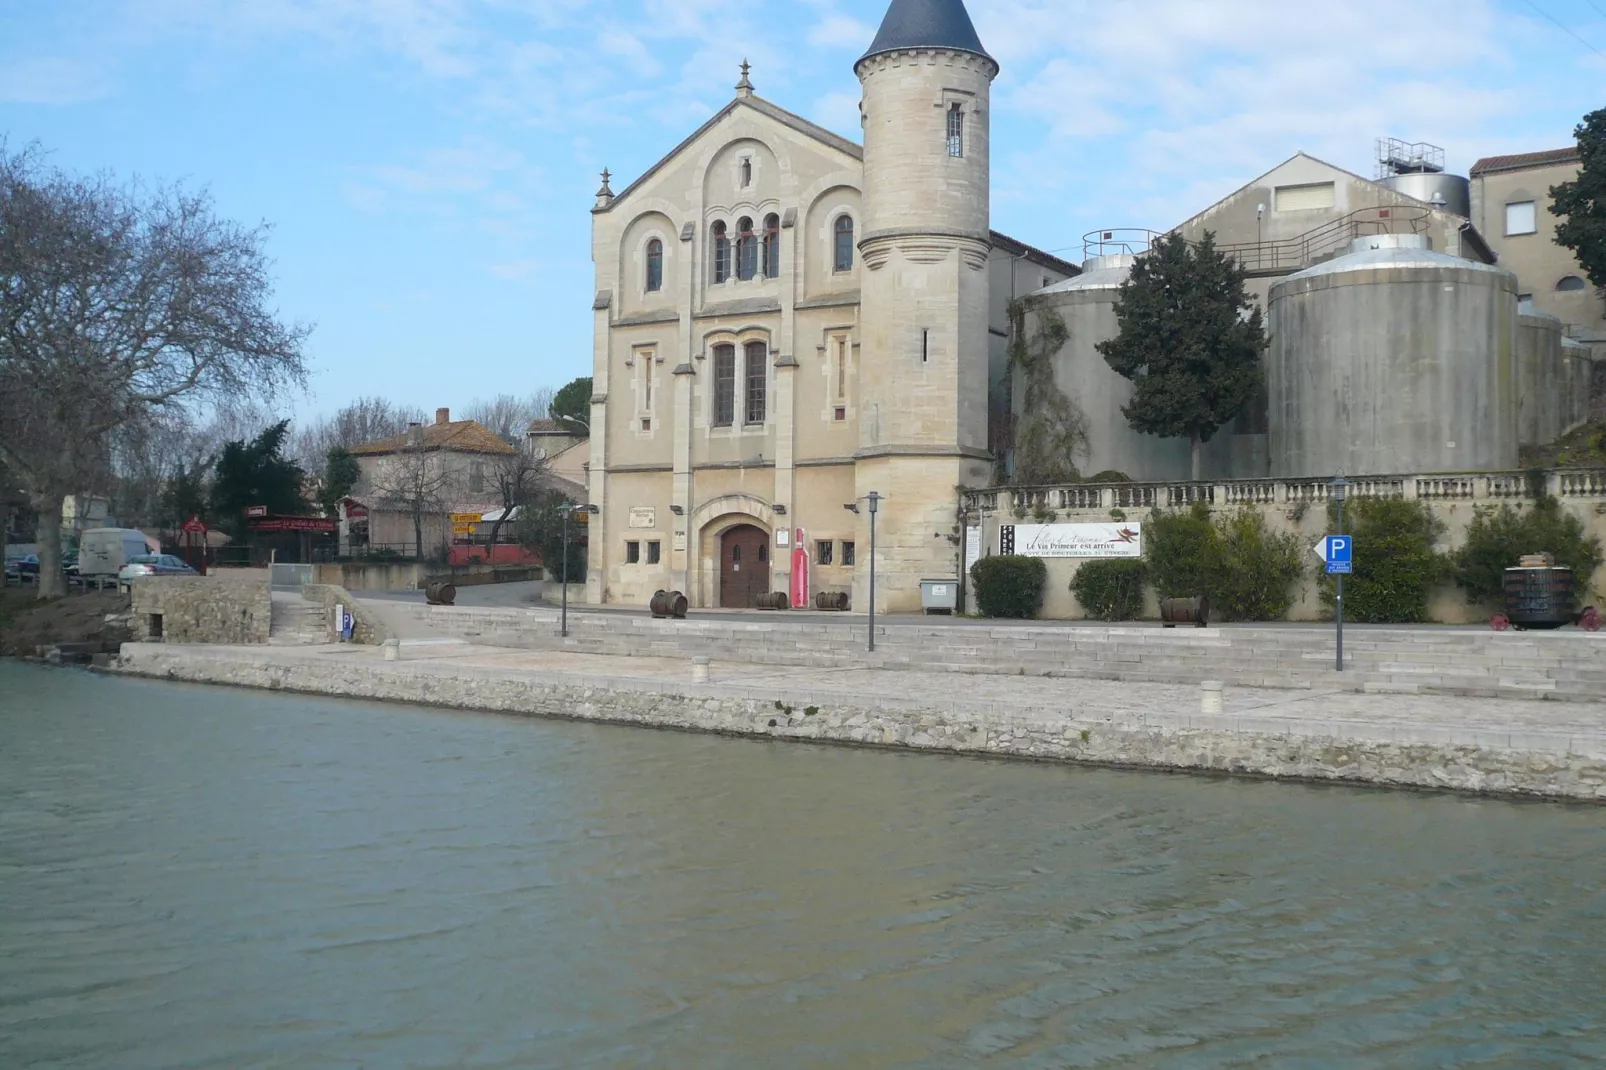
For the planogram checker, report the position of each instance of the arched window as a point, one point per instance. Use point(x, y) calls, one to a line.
point(724, 385)
point(956, 130)
point(722, 253)
point(756, 356)
point(746, 249)
point(772, 246)
point(843, 261)
point(655, 265)
point(1570, 282)
point(747, 173)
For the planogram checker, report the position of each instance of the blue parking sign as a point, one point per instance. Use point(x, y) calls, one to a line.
point(1337, 552)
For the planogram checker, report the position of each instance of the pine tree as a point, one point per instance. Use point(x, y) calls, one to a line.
point(1190, 340)
point(1581, 203)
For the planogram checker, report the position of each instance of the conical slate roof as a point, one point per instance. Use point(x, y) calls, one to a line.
point(926, 24)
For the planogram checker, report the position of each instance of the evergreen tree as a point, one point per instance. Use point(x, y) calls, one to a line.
point(340, 474)
point(571, 406)
point(1190, 340)
point(256, 473)
point(540, 528)
point(1581, 203)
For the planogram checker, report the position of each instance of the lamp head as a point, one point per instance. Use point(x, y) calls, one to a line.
point(1339, 488)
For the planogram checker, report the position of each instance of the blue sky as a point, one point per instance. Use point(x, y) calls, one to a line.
point(428, 165)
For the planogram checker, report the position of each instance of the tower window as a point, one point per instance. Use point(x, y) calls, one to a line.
point(772, 246)
point(722, 253)
point(956, 130)
point(746, 249)
point(655, 265)
point(756, 357)
point(1569, 283)
point(843, 260)
point(747, 173)
point(724, 385)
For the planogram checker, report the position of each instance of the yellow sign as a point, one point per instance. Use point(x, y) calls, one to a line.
point(462, 529)
point(465, 518)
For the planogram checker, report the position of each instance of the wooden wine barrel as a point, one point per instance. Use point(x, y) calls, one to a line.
point(658, 604)
point(1539, 597)
point(835, 600)
point(774, 600)
point(440, 594)
point(1175, 611)
point(677, 605)
point(668, 604)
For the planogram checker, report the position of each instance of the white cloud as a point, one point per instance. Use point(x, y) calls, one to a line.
point(839, 111)
point(52, 80)
point(840, 31)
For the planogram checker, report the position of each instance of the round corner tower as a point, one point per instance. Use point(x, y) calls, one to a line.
point(926, 82)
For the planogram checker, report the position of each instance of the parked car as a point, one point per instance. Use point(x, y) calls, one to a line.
point(152, 565)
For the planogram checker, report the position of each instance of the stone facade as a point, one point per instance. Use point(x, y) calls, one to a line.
point(201, 609)
point(860, 348)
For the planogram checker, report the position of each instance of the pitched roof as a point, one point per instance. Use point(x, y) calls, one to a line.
point(461, 436)
point(926, 24)
point(763, 107)
point(1522, 161)
point(1032, 253)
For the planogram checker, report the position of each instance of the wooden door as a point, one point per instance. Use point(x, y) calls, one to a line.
point(744, 566)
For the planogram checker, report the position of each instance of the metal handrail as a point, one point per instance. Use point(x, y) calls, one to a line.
point(1335, 235)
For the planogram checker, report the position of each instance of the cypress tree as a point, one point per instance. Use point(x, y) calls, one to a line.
point(1190, 340)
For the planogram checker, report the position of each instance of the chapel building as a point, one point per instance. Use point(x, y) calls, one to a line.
point(787, 321)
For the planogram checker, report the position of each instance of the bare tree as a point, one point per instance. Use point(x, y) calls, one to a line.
point(414, 479)
point(368, 419)
point(517, 476)
point(115, 301)
point(509, 417)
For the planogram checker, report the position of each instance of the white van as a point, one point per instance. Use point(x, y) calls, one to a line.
point(103, 551)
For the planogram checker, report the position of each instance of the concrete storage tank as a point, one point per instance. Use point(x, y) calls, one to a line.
point(1580, 373)
point(1542, 385)
point(1393, 359)
point(1086, 303)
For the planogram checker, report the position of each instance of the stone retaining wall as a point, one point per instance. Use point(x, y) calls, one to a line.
point(201, 609)
point(1464, 761)
point(368, 629)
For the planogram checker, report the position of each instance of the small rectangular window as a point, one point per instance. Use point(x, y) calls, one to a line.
point(652, 552)
point(646, 423)
point(956, 130)
point(839, 414)
point(476, 477)
point(847, 553)
point(632, 553)
point(822, 552)
point(1310, 197)
point(1521, 218)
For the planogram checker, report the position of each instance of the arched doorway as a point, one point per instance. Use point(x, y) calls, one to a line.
point(744, 566)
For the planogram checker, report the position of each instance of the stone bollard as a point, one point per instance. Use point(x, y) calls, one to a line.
point(392, 650)
point(699, 669)
point(1210, 696)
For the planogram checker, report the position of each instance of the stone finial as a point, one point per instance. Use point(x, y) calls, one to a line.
point(605, 192)
point(744, 88)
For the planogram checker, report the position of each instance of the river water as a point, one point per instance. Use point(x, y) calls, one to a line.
point(204, 877)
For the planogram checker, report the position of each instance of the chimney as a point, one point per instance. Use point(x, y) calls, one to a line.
point(443, 416)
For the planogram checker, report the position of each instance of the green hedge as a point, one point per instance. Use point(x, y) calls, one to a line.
point(1246, 570)
point(1110, 590)
point(1498, 537)
point(1396, 564)
point(1009, 585)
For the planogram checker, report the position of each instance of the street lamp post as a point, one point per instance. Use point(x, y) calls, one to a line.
point(1340, 490)
point(874, 499)
point(563, 628)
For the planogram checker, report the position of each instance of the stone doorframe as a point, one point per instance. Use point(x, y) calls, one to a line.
point(707, 523)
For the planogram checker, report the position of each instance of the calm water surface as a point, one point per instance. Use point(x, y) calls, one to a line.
point(200, 877)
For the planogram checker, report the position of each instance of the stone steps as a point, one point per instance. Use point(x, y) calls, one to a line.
point(295, 622)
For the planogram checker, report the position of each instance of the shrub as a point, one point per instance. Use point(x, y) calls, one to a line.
point(1246, 570)
point(1395, 562)
point(1009, 585)
point(1110, 590)
point(1498, 537)
point(1184, 552)
point(1258, 568)
point(1109, 475)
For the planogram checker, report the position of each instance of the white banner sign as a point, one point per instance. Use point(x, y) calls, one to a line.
point(1072, 540)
